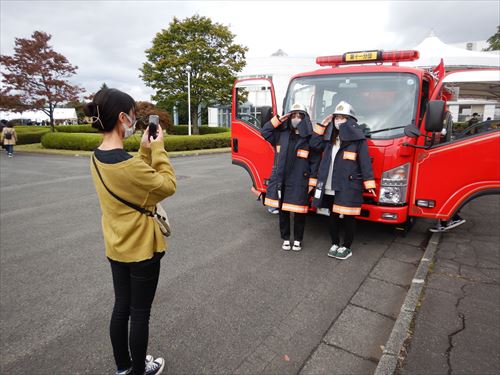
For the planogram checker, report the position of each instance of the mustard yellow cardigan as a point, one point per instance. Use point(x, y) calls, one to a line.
point(144, 180)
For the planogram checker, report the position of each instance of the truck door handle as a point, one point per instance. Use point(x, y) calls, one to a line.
point(235, 144)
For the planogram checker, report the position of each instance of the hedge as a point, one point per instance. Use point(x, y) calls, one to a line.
point(88, 142)
point(204, 129)
point(30, 134)
point(76, 129)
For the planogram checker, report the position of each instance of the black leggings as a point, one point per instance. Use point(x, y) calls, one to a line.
point(349, 224)
point(135, 288)
point(299, 224)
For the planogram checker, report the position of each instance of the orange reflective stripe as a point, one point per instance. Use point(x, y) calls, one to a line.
point(369, 184)
point(350, 155)
point(275, 121)
point(319, 129)
point(272, 202)
point(346, 210)
point(313, 181)
point(294, 208)
point(302, 153)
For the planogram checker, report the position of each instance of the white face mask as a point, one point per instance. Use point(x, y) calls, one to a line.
point(295, 122)
point(129, 130)
point(338, 122)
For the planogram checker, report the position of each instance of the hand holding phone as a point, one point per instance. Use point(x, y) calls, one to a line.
point(154, 121)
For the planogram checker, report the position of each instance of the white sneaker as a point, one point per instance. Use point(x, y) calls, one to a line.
point(286, 245)
point(296, 246)
point(155, 367)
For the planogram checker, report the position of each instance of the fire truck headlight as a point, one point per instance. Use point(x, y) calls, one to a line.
point(394, 184)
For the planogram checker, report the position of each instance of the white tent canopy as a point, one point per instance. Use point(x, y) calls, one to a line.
point(432, 49)
point(60, 114)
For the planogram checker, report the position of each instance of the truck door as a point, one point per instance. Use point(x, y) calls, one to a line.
point(462, 167)
point(253, 104)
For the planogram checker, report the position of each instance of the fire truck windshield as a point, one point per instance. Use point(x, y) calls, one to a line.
point(383, 102)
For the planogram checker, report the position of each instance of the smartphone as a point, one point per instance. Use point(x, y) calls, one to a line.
point(154, 121)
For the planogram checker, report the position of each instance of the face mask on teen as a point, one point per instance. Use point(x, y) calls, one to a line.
point(339, 121)
point(129, 130)
point(295, 122)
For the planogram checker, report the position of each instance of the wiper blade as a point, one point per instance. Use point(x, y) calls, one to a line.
point(384, 130)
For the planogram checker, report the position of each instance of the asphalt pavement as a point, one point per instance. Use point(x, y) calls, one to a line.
point(229, 299)
point(457, 329)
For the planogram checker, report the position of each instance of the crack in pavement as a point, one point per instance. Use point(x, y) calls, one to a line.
point(451, 335)
point(461, 277)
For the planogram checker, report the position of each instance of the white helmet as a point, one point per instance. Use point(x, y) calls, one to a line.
point(297, 107)
point(344, 108)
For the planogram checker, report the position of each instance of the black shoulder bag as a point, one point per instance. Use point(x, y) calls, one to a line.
point(160, 215)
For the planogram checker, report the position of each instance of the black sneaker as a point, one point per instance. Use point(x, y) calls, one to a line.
point(149, 358)
point(155, 367)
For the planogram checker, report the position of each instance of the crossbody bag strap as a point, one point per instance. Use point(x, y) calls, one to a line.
point(131, 205)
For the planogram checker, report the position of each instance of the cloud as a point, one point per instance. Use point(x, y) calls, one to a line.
point(108, 39)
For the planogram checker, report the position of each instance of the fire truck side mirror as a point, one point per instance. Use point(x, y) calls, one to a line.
point(435, 116)
point(411, 131)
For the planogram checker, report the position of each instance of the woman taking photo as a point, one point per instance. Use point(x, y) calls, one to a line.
point(344, 170)
point(134, 242)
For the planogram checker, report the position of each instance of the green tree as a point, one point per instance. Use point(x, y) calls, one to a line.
point(210, 52)
point(36, 76)
point(494, 41)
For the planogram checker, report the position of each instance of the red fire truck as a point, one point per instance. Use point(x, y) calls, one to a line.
point(419, 170)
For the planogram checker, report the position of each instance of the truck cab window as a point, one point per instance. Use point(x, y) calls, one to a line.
point(423, 100)
point(254, 104)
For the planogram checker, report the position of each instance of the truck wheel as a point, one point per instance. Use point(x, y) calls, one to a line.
point(405, 227)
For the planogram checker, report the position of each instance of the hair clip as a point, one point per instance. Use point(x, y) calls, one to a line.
point(98, 118)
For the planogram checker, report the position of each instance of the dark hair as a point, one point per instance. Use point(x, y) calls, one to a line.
point(106, 106)
point(335, 133)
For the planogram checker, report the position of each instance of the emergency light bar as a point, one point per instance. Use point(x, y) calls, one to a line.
point(368, 56)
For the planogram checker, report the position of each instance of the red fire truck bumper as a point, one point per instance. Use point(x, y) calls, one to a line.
point(384, 214)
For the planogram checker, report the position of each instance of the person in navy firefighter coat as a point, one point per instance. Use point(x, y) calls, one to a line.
point(293, 175)
point(344, 172)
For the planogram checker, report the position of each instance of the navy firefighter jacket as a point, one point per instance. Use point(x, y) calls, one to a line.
point(295, 165)
point(352, 168)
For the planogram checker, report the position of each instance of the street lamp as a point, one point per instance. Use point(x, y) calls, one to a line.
point(188, 69)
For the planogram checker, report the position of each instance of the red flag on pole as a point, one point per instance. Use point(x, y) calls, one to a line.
point(439, 70)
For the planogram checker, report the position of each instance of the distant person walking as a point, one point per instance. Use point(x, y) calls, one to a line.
point(9, 139)
point(134, 242)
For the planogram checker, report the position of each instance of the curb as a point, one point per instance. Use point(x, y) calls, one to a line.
point(171, 154)
point(389, 360)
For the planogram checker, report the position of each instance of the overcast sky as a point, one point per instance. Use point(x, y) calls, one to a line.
point(107, 39)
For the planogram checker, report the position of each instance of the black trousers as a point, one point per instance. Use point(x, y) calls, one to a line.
point(135, 287)
point(299, 225)
point(349, 222)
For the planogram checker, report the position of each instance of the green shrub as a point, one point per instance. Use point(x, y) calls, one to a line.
point(71, 141)
point(30, 134)
point(88, 142)
point(204, 129)
point(76, 129)
point(31, 129)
